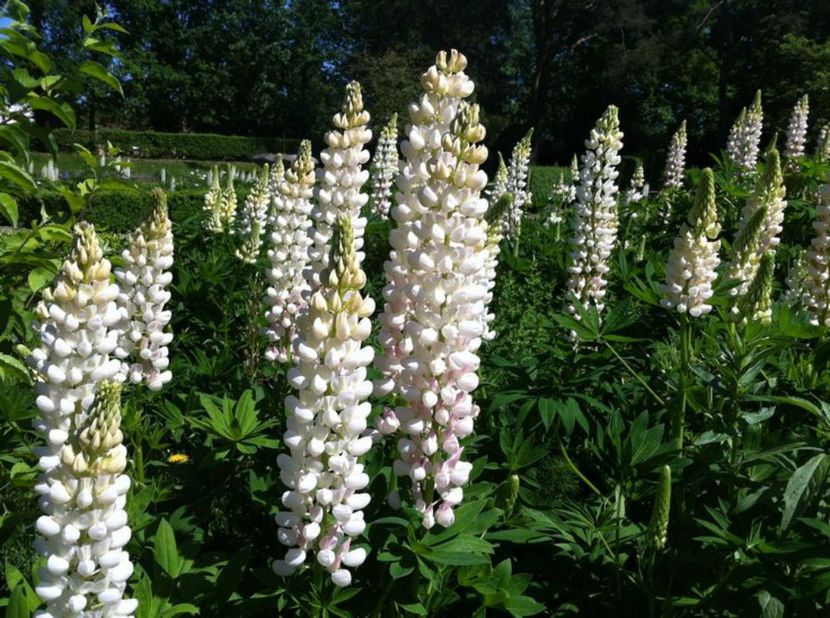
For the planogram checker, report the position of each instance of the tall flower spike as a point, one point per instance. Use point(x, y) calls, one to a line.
point(676, 158)
point(213, 199)
point(325, 431)
point(385, 168)
point(275, 178)
point(638, 189)
point(752, 242)
point(340, 181)
point(823, 144)
point(288, 254)
point(797, 132)
point(144, 279)
point(756, 303)
point(816, 296)
point(499, 186)
point(254, 218)
point(658, 527)
point(85, 526)
point(517, 186)
point(435, 314)
point(745, 137)
point(796, 276)
point(596, 222)
point(227, 204)
point(690, 271)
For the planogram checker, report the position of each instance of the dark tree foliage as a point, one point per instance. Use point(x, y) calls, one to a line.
point(271, 67)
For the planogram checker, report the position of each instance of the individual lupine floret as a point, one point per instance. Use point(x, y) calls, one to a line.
point(326, 429)
point(768, 196)
point(756, 304)
point(676, 158)
point(596, 222)
point(690, 271)
point(144, 279)
point(288, 254)
point(823, 144)
point(816, 296)
point(745, 137)
point(254, 218)
point(385, 168)
point(340, 181)
point(517, 186)
point(797, 132)
point(227, 204)
point(84, 529)
point(638, 188)
point(434, 317)
point(213, 199)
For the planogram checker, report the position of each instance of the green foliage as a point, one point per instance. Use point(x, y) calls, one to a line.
point(543, 178)
point(196, 146)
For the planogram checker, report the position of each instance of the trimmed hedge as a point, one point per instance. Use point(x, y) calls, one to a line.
point(195, 146)
point(115, 211)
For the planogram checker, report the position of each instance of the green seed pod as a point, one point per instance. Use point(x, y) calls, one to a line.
point(658, 527)
point(507, 493)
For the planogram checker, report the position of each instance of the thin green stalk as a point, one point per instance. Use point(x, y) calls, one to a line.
point(634, 373)
point(576, 470)
point(679, 418)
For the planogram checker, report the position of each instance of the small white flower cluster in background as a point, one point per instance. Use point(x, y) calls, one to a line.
point(638, 188)
point(797, 132)
point(517, 186)
point(816, 296)
point(385, 168)
point(213, 198)
point(83, 492)
point(676, 158)
point(760, 225)
point(326, 430)
point(690, 270)
point(143, 281)
point(434, 316)
point(227, 204)
point(595, 226)
point(340, 181)
point(288, 253)
point(254, 218)
point(823, 144)
point(745, 137)
point(796, 277)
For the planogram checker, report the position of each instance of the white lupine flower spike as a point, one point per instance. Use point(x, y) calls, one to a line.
point(288, 253)
point(227, 204)
point(144, 280)
point(596, 223)
point(517, 185)
point(81, 486)
point(745, 137)
point(326, 428)
point(254, 218)
point(797, 132)
point(340, 181)
point(816, 297)
point(690, 271)
point(823, 144)
point(385, 168)
point(435, 312)
point(213, 199)
point(676, 158)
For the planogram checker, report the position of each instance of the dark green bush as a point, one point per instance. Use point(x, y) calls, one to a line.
point(198, 146)
point(542, 180)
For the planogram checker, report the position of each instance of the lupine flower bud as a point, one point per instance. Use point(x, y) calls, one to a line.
point(638, 190)
point(816, 296)
point(385, 168)
point(658, 527)
point(756, 303)
point(81, 486)
point(326, 430)
point(676, 158)
point(434, 315)
point(690, 271)
point(797, 132)
point(254, 218)
point(596, 222)
point(288, 253)
point(340, 181)
point(144, 279)
point(745, 137)
point(517, 185)
point(752, 242)
point(507, 493)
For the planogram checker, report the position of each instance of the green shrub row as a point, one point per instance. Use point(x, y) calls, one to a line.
point(195, 146)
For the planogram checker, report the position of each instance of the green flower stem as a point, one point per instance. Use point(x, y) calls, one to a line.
point(574, 469)
point(634, 373)
point(679, 418)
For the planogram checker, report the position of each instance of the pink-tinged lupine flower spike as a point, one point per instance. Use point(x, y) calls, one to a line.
point(340, 181)
point(816, 297)
point(435, 311)
point(594, 235)
point(690, 271)
point(144, 279)
point(288, 254)
point(326, 430)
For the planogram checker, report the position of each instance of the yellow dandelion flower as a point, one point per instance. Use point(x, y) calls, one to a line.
point(178, 458)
